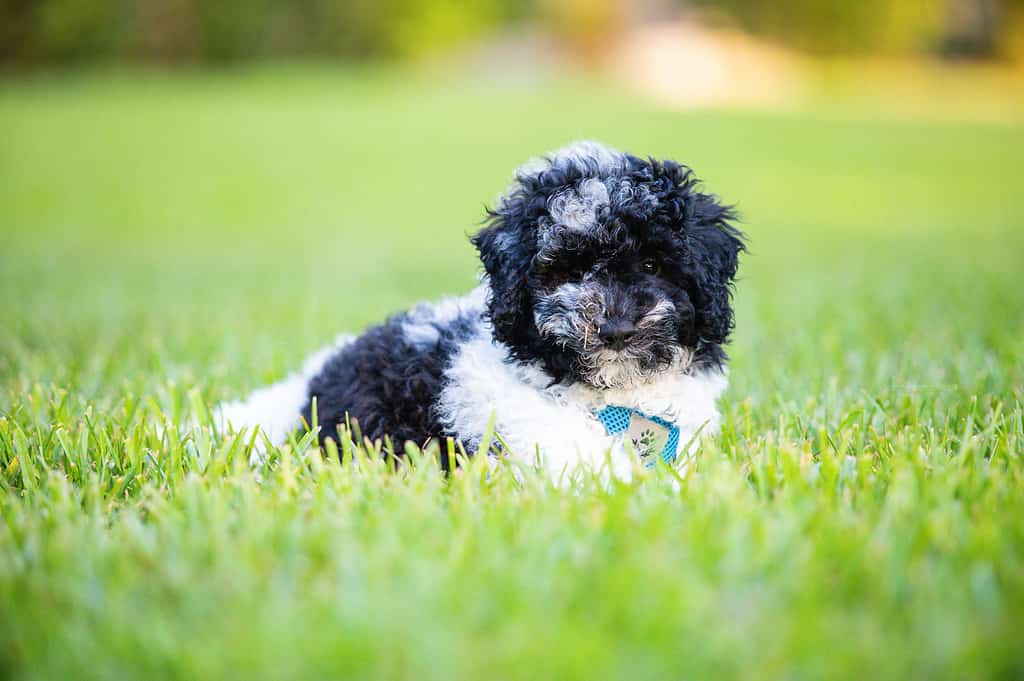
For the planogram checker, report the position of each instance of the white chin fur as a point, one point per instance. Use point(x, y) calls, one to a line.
point(616, 369)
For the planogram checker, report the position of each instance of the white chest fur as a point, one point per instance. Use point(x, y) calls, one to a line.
point(558, 422)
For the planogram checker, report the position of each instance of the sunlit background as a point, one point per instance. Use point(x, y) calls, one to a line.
point(179, 31)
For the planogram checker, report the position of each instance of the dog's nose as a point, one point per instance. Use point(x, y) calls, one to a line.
point(615, 333)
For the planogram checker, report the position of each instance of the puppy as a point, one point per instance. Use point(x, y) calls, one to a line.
point(596, 334)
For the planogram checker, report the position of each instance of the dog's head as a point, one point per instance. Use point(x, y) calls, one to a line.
point(610, 269)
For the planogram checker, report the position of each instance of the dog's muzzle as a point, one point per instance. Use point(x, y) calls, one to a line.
point(619, 336)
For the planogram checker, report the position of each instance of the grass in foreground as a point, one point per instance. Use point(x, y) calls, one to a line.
point(172, 242)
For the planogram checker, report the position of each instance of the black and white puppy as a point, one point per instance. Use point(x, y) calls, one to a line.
point(600, 319)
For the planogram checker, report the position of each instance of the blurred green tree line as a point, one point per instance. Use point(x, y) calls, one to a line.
point(69, 31)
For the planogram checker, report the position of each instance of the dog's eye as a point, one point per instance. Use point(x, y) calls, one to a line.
point(650, 266)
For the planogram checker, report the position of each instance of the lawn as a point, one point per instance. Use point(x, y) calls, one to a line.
point(168, 241)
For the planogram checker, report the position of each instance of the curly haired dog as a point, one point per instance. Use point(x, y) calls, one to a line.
point(601, 319)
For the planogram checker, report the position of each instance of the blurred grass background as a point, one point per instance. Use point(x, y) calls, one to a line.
point(280, 192)
point(189, 207)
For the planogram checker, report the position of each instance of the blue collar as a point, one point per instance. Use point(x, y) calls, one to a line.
point(643, 429)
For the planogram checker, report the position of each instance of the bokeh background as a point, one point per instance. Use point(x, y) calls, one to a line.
point(176, 31)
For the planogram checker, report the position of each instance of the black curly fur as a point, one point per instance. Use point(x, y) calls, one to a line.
point(688, 232)
point(387, 383)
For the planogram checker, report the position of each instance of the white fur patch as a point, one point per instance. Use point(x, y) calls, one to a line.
point(276, 409)
point(420, 326)
point(603, 158)
point(583, 151)
point(558, 421)
point(578, 208)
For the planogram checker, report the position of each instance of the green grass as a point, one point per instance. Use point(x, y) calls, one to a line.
point(170, 241)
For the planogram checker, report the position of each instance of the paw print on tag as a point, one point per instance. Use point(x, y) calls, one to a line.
point(648, 437)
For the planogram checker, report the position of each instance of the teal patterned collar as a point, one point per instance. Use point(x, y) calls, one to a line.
point(651, 435)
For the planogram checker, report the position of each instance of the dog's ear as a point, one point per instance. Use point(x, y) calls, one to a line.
point(713, 245)
point(507, 245)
